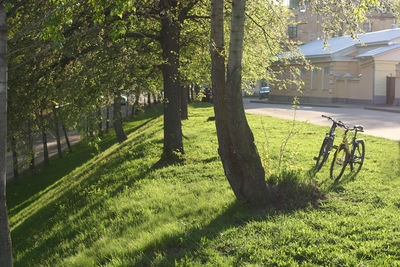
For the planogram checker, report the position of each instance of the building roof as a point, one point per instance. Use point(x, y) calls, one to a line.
point(379, 50)
point(316, 48)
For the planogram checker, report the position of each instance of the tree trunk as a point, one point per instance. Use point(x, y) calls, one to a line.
point(239, 155)
point(126, 110)
point(100, 119)
point(66, 138)
point(57, 132)
point(31, 149)
point(184, 102)
point(134, 106)
point(169, 35)
point(117, 119)
point(45, 149)
point(190, 94)
point(5, 238)
point(15, 158)
point(149, 100)
point(107, 118)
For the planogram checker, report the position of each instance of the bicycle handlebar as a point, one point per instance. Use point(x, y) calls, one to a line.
point(358, 128)
point(339, 123)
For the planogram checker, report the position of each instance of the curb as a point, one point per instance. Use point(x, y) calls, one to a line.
point(383, 109)
point(300, 104)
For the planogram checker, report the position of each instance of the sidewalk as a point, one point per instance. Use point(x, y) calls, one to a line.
point(384, 108)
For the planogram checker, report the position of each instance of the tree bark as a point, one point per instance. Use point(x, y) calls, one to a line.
point(5, 238)
point(57, 132)
point(117, 119)
point(184, 102)
point(66, 137)
point(169, 35)
point(45, 149)
point(149, 100)
point(239, 155)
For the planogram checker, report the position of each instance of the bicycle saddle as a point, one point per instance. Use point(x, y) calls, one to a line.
point(359, 128)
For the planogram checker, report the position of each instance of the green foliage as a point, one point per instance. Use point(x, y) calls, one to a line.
point(124, 207)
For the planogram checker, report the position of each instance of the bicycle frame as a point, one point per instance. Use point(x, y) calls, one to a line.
point(345, 142)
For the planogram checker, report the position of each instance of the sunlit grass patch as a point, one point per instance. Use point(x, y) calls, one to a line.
point(122, 207)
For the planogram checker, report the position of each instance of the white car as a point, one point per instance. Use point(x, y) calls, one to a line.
point(264, 92)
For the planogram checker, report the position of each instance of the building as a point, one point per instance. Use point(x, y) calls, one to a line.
point(305, 26)
point(350, 71)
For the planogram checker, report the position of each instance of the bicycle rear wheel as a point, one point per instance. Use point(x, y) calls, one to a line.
point(323, 154)
point(339, 162)
point(357, 156)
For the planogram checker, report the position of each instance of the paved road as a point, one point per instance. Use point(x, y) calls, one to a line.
point(376, 123)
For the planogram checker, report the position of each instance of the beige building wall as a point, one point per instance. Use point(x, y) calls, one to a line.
point(381, 22)
point(397, 91)
point(309, 28)
point(382, 70)
point(329, 84)
point(366, 80)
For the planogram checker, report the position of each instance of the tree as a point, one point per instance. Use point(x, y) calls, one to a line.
point(240, 159)
point(238, 152)
point(5, 238)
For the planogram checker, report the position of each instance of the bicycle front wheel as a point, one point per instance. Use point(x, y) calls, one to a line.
point(339, 163)
point(323, 154)
point(357, 156)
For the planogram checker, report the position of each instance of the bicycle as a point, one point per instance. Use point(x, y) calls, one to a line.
point(327, 144)
point(342, 156)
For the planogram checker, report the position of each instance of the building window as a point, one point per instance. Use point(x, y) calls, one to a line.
point(293, 3)
point(325, 77)
point(292, 31)
point(315, 79)
point(367, 27)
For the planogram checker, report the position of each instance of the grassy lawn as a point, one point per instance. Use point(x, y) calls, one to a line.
point(122, 207)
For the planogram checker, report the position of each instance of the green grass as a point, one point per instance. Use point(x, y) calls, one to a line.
point(123, 207)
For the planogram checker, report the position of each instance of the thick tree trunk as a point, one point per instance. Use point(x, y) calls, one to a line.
point(45, 149)
point(107, 118)
point(240, 159)
point(66, 137)
point(170, 34)
point(15, 158)
point(184, 102)
point(5, 238)
point(117, 119)
point(57, 132)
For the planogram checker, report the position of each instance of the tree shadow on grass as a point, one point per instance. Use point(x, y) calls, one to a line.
point(79, 195)
point(290, 195)
point(30, 188)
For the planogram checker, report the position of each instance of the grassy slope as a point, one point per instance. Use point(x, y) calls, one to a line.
point(122, 207)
